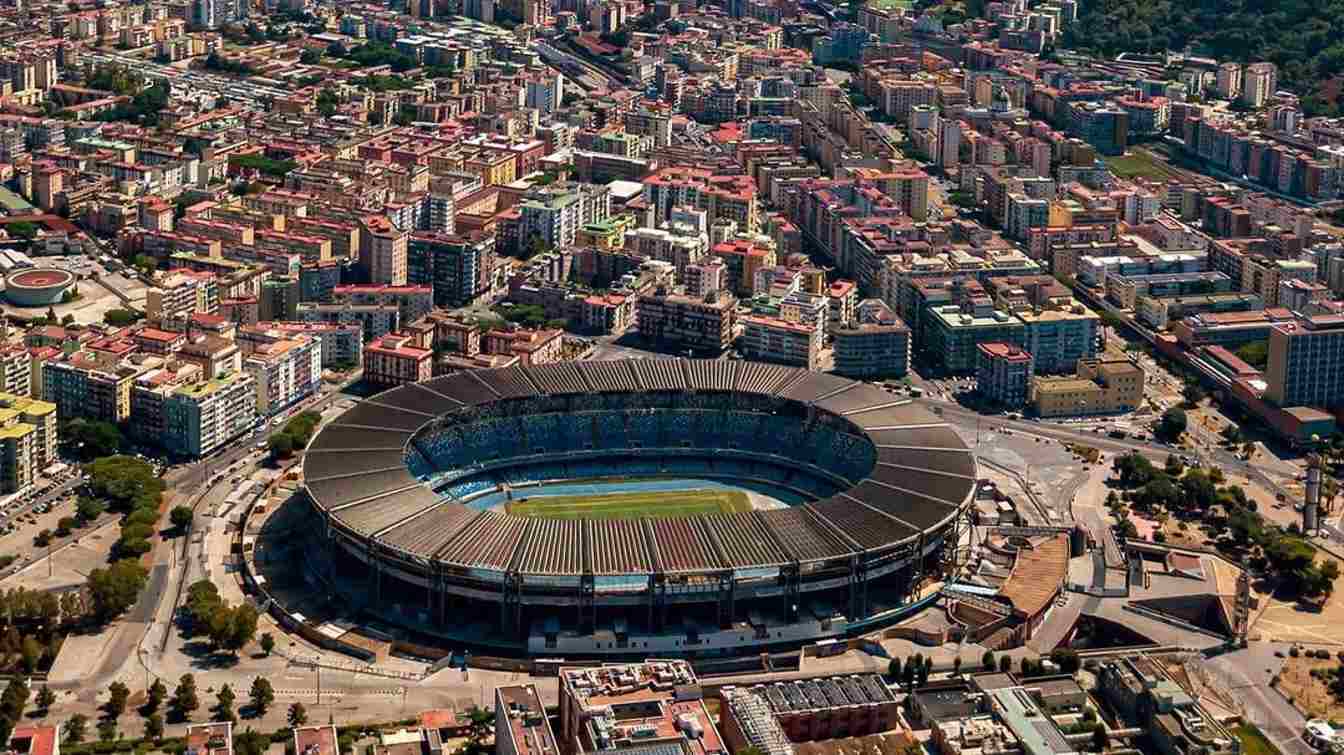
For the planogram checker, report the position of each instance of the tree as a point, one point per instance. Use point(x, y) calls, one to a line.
point(185, 699)
point(181, 517)
point(1005, 664)
point(30, 653)
point(75, 728)
point(107, 729)
point(224, 703)
point(251, 743)
point(298, 715)
point(1174, 465)
point(956, 666)
point(267, 643)
point(310, 57)
point(154, 727)
point(118, 694)
point(89, 509)
point(280, 445)
point(263, 695)
point(1192, 394)
point(1099, 738)
point(14, 699)
point(908, 674)
point(120, 318)
point(242, 628)
point(45, 699)
point(987, 660)
point(1172, 425)
point(1066, 659)
point(894, 668)
point(158, 692)
point(481, 726)
point(114, 590)
point(90, 439)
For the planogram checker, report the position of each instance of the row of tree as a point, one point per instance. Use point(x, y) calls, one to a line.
point(227, 627)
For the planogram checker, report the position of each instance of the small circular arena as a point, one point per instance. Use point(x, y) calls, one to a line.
point(38, 287)
point(622, 508)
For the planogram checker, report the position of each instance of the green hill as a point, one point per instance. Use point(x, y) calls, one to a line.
point(1301, 36)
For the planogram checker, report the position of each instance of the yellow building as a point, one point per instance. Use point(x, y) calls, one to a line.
point(605, 234)
point(27, 440)
point(495, 168)
point(1101, 386)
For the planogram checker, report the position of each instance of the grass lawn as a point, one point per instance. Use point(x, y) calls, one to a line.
point(1253, 742)
point(1138, 164)
point(661, 503)
point(888, 4)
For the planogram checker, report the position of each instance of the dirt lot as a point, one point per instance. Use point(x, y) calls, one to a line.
point(1311, 696)
point(1289, 621)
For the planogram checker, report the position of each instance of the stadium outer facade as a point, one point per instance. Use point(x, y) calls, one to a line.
point(849, 560)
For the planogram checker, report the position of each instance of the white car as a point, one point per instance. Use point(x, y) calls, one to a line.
point(1319, 734)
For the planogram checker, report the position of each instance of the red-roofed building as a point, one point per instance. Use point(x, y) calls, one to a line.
point(393, 360)
point(157, 341)
point(35, 740)
point(316, 740)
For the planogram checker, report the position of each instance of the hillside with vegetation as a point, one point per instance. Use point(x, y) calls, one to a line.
point(1300, 36)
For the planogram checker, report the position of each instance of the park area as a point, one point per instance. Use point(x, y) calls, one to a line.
point(633, 505)
point(1139, 164)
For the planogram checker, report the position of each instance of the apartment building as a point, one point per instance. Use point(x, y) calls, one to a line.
point(775, 339)
point(1003, 373)
point(200, 418)
point(28, 440)
point(382, 251)
point(342, 344)
point(457, 268)
point(412, 302)
point(394, 360)
point(727, 197)
point(1100, 386)
point(678, 322)
point(179, 294)
point(16, 370)
point(284, 371)
point(1306, 362)
point(876, 344)
point(83, 384)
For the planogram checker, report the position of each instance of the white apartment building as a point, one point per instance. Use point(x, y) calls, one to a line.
point(285, 371)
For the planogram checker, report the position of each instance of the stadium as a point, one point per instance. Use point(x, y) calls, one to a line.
point(37, 287)
point(648, 505)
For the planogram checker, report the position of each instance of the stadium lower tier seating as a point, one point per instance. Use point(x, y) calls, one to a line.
point(449, 450)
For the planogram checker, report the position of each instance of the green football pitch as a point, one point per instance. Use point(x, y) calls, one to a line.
point(661, 503)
